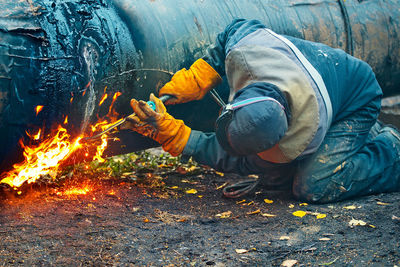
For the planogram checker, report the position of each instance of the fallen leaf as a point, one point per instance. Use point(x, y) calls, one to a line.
point(291, 206)
point(241, 201)
point(268, 201)
point(190, 169)
point(250, 203)
point(303, 204)
point(289, 263)
point(321, 216)
point(200, 196)
point(372, 226)
point(146, 220)
point(241, 250)
point(324, 239)
point(174, 187)
point(191, 191)
point(224, 215)
point(284, 237)
point(354, 222)
point(268, 215)
point(352, 207)
point(220, 174)
point(395, 218)
point(222, 186)
point(382, 203)
point(299, 213)
point(254, 212)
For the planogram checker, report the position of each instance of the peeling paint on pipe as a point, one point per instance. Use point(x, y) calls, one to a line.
point(53, 50)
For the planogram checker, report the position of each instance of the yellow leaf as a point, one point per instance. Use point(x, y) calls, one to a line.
point(284, 237)
point(222, 186)
point(382, 203)
point(241, 201)
point(352, 207)
point(303, 204)
point(174, 187)
point(268, 215)
point(254, 212)
point(291, 206)
point(299, 213)
point(220, 174)
point(224, 215)
point(200, 196)
point(321, 216)
point(191, 191)
point(191, 168)
point(250, 203)
point(268, 201)
point(372, 226)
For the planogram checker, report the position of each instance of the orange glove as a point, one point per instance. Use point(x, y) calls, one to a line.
point(192, 84)
point(171, 133)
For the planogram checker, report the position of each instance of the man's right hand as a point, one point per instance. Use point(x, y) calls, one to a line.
point(193, 84)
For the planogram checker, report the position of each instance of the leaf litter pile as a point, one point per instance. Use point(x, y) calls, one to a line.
point(151, 209)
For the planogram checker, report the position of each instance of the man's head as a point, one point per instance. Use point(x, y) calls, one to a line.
point(253, 122)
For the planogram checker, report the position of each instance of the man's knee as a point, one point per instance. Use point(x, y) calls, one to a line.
point(312, 190)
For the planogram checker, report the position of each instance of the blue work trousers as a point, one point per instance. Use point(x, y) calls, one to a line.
point(357, 157)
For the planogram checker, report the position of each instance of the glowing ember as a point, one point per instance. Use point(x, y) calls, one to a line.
point(38, 109)
point(41, 159)
point(75, 191)
point(66, 120)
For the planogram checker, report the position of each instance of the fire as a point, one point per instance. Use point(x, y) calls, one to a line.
point(38, 109)
point(42, 159)
point(103, 99)
point(116, 95)
point(101, 148)
point(45, 158)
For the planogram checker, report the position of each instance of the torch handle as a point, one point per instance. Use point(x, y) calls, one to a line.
point(121, 121)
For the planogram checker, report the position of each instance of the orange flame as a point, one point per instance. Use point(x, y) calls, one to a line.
point(42, 159)
point(37, 136)
point(38, 109)
point(103, 99)
point(34, 136)
point(116, 95)
point(45, 158)
point(100, 149)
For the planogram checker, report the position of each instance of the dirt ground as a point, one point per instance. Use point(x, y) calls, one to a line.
point(158, 215)
point(116, 222)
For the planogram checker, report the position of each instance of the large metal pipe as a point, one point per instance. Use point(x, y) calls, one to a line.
point(52, 50)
